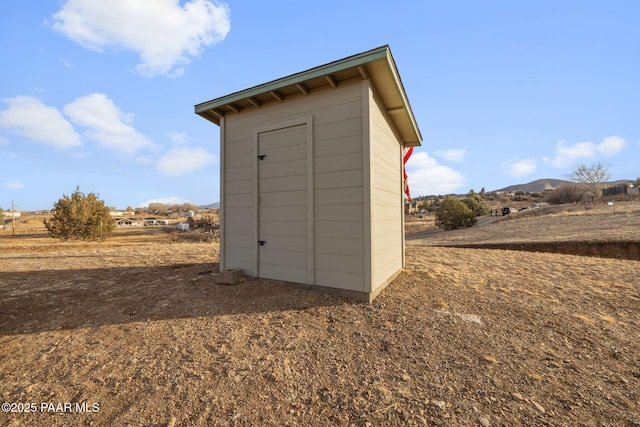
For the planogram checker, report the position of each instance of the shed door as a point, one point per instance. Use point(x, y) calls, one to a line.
point(282, 204)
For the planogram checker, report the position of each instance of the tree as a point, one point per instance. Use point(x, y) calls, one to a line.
point(591, 176)
point(453, 214)
point(476, 203)
point(80, 217)
point(570, 193)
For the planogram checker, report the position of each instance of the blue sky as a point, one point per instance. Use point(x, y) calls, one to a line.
point(101, 94)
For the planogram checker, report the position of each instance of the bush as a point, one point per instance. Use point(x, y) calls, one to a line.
point(80, 217)
point(476, 203)
point(570, 193)
point(454, 214)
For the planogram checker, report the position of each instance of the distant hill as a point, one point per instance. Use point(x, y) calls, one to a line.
point(540, 185)
point(537, 186)
point(211, 206)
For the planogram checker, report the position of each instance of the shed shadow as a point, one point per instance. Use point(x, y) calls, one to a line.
point(48, 300)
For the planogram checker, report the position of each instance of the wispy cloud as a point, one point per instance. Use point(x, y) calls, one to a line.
point(164, 33)
point(107, 124)
point(426, 176)
point(183, 160)
point(30, 117)
point(452, 155)
point(164, 200)
point(13, 185)
point(519, 167)
point(567, 154)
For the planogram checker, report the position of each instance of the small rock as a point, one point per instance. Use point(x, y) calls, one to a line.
point(517, 396)
point(405, 377)
point(538, 406)
point(484, 422)
point(440, 404)
point(173, 422)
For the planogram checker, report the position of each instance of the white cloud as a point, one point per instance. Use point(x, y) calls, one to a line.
point(452, 155)
point(164, 200)
point(13, 185)
point(517, 168)
point(29, 117)
point(4, 141)
point(182, 160)
point(566, 154)
point(106, 124)
point(426, 176)
point(164, 33)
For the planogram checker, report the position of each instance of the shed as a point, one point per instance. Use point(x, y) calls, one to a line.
point(312, 175)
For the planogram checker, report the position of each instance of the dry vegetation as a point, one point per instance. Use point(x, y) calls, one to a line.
point(464, 336)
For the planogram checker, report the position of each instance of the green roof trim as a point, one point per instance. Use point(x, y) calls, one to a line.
point(212, 110)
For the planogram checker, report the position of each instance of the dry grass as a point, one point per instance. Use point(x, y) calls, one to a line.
point(462, 337)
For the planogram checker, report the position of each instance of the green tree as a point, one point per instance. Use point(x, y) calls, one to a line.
point(80, 217)
point(476, 203)
point(453, 214)
point(1, 217)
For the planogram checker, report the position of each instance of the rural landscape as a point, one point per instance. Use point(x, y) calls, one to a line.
point(514, 322)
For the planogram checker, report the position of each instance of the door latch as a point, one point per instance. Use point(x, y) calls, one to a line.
point(262, 156)
point(261, 242)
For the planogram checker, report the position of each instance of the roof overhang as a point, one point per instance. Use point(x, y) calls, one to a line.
point(376, 64)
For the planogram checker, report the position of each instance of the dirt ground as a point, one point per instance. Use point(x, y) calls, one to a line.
point(136, 332)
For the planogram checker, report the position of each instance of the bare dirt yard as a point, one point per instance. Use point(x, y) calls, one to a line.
point(134, 331)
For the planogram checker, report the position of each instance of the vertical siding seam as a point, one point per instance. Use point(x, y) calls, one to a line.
point(223, 240)
point(310, 204)
point(366, 188)
point(256, 207)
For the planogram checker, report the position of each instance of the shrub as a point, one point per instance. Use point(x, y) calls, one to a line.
point(476, 203)
point(453, 214)
point(80, 217)
point(570, 193)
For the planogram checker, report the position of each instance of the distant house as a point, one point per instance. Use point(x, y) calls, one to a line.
point(127, 222)
point(182, 226)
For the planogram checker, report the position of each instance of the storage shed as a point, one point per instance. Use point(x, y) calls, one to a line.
point(312, 175)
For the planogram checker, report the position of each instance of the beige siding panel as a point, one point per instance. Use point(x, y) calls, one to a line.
point(337, 196)
point(283, 213)
point(346, 229)
point(343, 212)
point(340, 279)
point(386, 199)
point(241, 146)
point(239, 200)
point(282, 184)
point(284, 228)
point(344, 263)
point(339, 162)
point(339, 246)
point(338, 146)
point(239, 213)
point(349, 127)
point(320, 105)
point(241, 160)
point(339, 179)
point(291, 168)
point(238, 187)
point(239, 254)
point(236, 227)
point(238, 174)
point(289, 198)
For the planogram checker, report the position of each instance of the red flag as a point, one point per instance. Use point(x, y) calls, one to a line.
point(407, 154)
